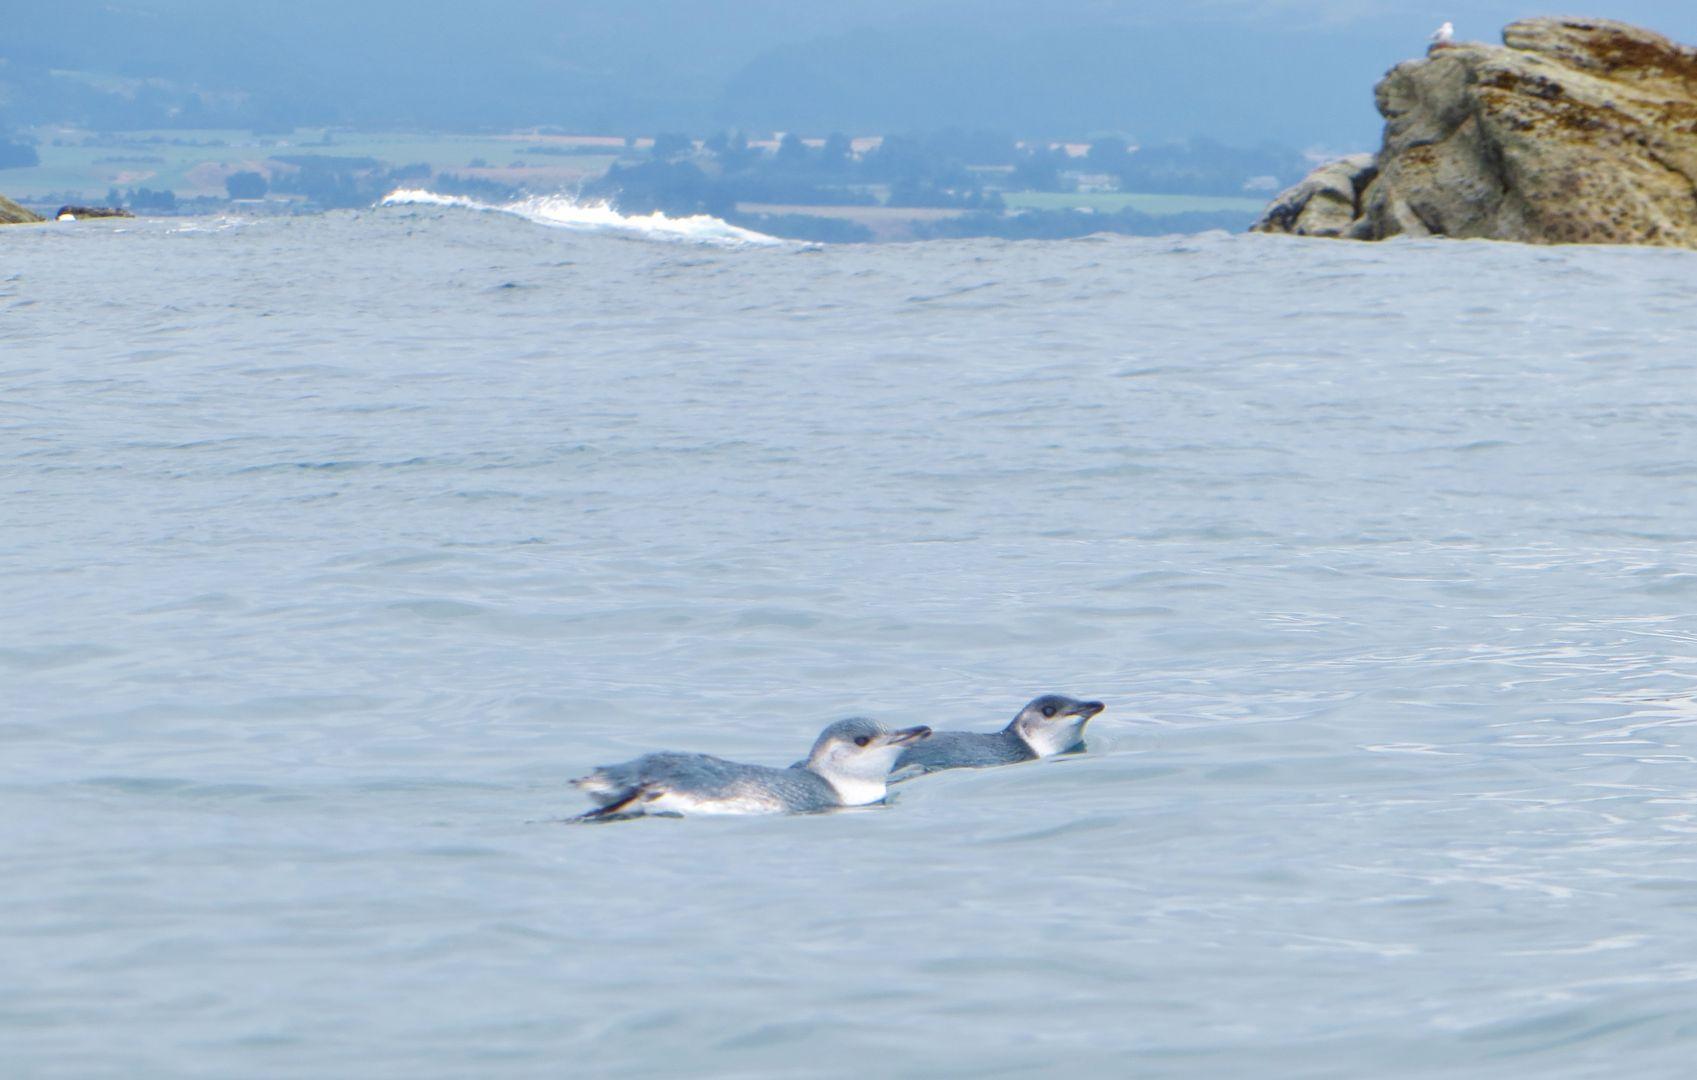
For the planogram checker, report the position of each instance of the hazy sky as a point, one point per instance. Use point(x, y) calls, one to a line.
point(1299, 72)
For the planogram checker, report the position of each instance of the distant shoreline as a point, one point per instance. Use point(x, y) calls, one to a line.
point(771, 184)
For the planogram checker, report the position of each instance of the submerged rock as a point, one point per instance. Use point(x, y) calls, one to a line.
point(13, 214)
point(1572, 131)
point(80, 212)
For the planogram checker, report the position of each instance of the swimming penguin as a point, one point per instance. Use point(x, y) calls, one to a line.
point(848, 766)
point(1051, 724)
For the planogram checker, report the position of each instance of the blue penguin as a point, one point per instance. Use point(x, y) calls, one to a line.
point(1049, 725)
point(848, 766)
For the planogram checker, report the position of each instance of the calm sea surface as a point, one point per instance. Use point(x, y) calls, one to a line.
point(332, 547)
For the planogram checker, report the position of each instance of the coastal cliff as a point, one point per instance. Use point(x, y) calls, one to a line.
point(13, 214)
point(1571, 131)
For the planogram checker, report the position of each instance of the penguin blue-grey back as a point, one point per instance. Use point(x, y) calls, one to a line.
point(1050, 724)
point(849, 765)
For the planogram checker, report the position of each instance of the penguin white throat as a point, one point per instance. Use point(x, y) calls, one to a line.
point(1047, 740)
point(856, 790)
point(857, 775)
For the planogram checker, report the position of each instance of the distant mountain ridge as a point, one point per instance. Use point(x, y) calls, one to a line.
point(1067, 68)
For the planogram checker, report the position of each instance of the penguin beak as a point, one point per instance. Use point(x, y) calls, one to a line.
point(908, 735)
point(1087, 709)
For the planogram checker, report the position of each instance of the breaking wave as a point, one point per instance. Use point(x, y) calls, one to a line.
point(565, 212)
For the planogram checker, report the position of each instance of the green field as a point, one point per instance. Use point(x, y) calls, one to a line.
point(190, 163)
point(1109, 202)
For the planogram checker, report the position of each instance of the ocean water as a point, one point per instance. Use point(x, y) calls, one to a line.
point(333, 547)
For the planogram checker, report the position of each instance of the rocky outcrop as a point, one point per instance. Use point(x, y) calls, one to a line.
point(1328, 203)
point(1572, 131)
point(13, 214)
point(78, 213)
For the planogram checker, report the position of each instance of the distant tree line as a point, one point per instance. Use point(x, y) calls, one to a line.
point(326, 180)
point(933, 171)
point(952, 169)
point(144, 199)
point(247, 185)
point(474, 187)
point(1197, 167)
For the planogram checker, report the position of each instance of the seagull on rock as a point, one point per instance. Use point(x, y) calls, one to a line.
point(1444, 34)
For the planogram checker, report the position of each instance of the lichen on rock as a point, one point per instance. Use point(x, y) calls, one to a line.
point(1572, 131)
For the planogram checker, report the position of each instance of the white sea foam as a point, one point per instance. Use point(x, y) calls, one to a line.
point(566, 212)
point(418, 197)
point(221, 223)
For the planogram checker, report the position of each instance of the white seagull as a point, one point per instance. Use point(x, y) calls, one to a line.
point(1444, 34)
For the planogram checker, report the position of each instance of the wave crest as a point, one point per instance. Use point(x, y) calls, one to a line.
point(566, 212)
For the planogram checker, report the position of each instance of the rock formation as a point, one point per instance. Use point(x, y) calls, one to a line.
point(13, 214)
point(78, 213)
point(1572, 131)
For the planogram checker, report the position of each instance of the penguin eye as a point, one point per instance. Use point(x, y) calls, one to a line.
point(1048, 710)
point(862, 740)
